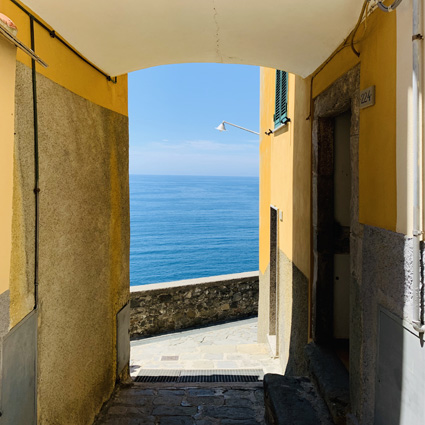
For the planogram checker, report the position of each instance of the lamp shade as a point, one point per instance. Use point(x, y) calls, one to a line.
point(221, 127)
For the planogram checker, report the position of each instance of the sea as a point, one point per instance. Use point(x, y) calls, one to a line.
point(186, 227)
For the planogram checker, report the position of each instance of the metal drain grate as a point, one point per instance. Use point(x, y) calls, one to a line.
point(207, 375)
point(169, 358)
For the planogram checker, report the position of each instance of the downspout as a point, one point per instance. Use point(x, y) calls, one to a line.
point(36, 167)
point(417, 316)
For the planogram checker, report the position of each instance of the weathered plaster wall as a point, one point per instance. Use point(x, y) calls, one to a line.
point(293, 317)
point(84, 244)
point(164, 307)
point(382, 278)
point(4, 315)
point(22, 264)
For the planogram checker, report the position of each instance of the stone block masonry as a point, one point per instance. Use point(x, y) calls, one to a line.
point(172, 306)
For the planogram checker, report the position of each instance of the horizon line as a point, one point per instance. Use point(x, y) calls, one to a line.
point(189, 175)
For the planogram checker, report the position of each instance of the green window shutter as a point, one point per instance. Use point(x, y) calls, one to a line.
point(281, 112)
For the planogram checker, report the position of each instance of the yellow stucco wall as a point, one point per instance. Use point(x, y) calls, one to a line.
point(266, 116)
point(285, 162)
point(65, 68)
point(284, 156)
point(285, 184)
point(285, 171)
point(7, 123)
point(377, 145)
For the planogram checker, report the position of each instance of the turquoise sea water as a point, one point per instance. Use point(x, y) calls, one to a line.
point(184, 227)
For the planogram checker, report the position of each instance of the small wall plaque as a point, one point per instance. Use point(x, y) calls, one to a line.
point(367, 97)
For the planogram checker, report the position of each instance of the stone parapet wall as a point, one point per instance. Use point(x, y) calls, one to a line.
point(171, 306)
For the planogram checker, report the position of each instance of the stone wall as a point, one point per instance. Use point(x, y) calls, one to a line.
point(165, 307)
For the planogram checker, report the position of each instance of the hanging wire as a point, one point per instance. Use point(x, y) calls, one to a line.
point(359, 21)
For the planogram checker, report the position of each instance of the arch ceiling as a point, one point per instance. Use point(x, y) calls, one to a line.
point(120, 36)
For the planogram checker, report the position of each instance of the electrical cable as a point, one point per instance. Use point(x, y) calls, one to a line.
point(53, 34)
point(359, 21)
point(342, 46)
point(36, 168)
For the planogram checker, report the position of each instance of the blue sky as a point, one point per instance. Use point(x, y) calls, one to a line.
point(174, 110)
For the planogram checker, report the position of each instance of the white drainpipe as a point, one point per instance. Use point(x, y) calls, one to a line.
point(417, 40)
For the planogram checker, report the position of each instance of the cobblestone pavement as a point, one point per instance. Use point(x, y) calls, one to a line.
point(184, 404)
point(228, 346)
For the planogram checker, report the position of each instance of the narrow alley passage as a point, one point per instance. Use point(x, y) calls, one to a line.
point(227, 348)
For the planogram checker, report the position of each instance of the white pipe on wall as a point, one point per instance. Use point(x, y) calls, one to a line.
point(417, 40)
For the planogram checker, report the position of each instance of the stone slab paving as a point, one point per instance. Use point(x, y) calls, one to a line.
point(227, 346)
point(185, 404)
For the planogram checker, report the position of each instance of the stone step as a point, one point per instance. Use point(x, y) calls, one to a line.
point(293, 401)
point(331, 379)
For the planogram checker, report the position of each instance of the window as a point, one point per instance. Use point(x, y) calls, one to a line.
point(281, 115)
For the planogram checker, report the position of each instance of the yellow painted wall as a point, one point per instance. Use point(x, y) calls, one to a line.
point(285, 183)
point(7, 125)
point(266, 118)
point(377, 145)
point(377, 150)
point(285, 171)
point(65, 68)
point(285, 161)
point(285, 156)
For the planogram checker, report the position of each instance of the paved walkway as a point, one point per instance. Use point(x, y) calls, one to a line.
point(228, 346)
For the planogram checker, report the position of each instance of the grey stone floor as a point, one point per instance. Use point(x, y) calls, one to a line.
point(227, 346)
point(184, 404)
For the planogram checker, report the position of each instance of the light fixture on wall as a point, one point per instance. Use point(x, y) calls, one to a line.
point(222, 127)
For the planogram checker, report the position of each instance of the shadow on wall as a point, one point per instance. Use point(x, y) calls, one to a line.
point(296, 364)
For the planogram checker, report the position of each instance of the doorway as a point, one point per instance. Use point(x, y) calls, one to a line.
point(341, 235)
point(335, 217)
point(273, 312)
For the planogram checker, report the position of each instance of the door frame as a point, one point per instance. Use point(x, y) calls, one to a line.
point(341, 96)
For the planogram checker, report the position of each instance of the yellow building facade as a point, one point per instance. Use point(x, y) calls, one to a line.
point(336, 220)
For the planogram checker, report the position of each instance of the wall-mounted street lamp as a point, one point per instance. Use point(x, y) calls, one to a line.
point(222, 127)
